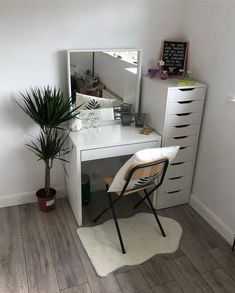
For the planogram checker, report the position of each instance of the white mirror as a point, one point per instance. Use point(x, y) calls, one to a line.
point(104, 78)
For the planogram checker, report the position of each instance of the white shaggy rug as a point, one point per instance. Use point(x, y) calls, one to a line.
point(141, 236)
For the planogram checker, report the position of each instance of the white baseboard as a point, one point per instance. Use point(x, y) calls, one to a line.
point(26, 197)
point(212, 219)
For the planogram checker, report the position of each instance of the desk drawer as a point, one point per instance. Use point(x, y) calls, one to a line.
point(174, 198)
point(122, 150)
point(182, 130)
point(185, 154)
point(179, 169)
point(183, 118)
point(175, 184)
point(184, 107)
point(182, 141)
point(186, 94)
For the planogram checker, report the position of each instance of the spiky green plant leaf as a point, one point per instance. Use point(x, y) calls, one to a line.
point(49, 147)
point(48, 107)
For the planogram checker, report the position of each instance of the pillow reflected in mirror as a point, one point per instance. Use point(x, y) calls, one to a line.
point(92, 103)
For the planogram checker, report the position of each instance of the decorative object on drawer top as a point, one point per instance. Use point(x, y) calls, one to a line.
point(164, 74)
point(156, 68)
point(183, 82)
point(174, 54)
point(187, 80)
point(153, 69)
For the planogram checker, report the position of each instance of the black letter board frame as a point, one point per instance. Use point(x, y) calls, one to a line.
point(174, 54)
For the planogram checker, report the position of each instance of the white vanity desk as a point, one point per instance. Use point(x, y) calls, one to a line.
point(109, 140)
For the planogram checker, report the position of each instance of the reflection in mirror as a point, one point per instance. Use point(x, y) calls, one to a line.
point(104, 79)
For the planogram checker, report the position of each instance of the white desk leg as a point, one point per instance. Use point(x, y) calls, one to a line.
point(73, 182)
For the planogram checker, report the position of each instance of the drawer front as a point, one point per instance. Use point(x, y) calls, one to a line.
point(182, 141)
point(175, 184)
point(178, 197)
point(115, 151)
point(184, 118)
point(182, 130)
point(185, 154)
point(184, 107)
point(185, 94)
point(179, 169)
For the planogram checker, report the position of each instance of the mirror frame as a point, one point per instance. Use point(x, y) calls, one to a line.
point(138, 81)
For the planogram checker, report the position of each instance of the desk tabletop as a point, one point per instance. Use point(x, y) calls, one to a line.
point(109, 135)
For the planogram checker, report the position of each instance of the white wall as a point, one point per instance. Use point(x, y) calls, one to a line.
point(210, 28)
point(80, 62)
point(111, 72)
point(34, 37)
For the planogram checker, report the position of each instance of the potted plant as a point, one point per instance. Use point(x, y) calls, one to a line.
point(48, 108)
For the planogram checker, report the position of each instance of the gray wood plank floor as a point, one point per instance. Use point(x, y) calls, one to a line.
point(42, 253)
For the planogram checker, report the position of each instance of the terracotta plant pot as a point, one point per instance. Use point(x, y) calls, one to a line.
point(46, 204)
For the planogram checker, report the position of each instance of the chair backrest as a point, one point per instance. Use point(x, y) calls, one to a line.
point(145, 170)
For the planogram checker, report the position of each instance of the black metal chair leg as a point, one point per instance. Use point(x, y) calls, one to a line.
point(139, 202)
point(144, 198)
point(116, 224)
point(156, 217)
point(106, 209)
point(233, 247)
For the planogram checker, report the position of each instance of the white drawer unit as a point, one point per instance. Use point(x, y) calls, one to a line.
point(175, 113)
